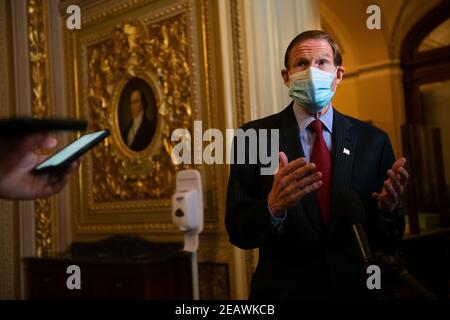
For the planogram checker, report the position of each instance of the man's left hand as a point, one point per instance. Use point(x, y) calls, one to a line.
point(393, 187)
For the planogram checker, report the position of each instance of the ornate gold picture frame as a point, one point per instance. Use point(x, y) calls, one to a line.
point(161, 51)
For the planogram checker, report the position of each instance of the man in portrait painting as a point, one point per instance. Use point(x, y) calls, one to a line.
point(139, 132)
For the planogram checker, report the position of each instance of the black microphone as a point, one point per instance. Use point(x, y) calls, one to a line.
point(352, 212)
point(351, 209)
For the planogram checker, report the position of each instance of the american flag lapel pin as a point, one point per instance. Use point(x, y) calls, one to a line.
point(346, 151)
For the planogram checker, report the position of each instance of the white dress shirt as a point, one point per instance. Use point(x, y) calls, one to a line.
point(134, 128)
point(307, 137)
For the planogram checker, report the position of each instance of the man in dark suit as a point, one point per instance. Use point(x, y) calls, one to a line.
point(141, 129)
point(305, 251)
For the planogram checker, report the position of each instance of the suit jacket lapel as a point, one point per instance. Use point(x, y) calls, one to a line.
point(343, 153)
point(291, 145)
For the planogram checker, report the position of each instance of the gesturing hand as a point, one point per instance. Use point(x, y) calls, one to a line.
point(393, 187)
point(291, 183)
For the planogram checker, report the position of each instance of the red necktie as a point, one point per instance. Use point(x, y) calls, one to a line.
point(321, 157)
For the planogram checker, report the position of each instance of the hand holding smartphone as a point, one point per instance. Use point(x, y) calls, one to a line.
point(71, 152)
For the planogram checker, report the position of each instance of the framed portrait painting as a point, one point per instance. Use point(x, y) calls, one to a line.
point(137, 114)
point(141, 71)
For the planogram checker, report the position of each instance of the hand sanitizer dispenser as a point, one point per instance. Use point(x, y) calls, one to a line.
point(187, 215)
point(187, 202)
point(187, 212)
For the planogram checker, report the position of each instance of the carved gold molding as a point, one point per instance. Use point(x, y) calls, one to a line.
point(40, 103)
point(242, 95)
point(44, 226)
point(239, 62)
point(149, 53)
point(163, 47)
point(211, 92)
point(106, 12)
point(38, 50)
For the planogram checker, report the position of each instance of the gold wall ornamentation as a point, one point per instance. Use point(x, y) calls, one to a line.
point(239, 62)
point(121, 190)
point(44, 226)
point(37, 41)
point(157, 54)
point(242, 96)
point(213, 104)
point(40, 107)
point(107, 10)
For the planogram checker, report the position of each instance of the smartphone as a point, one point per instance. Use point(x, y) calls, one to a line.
point(71, 152)
point(20, 126)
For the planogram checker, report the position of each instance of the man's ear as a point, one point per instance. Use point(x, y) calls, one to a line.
point(285, 76)
point(339, 75)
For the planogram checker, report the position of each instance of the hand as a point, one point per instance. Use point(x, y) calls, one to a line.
point(18, 159)
point(291, 183)
point(13, 149)
point(393, 187)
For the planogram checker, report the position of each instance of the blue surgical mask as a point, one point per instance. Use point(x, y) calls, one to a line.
point(311, 88)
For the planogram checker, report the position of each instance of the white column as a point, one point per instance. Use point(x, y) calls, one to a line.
point(270, 26)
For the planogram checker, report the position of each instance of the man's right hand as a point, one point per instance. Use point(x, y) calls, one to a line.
point(291, 183)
